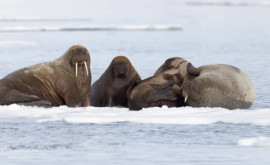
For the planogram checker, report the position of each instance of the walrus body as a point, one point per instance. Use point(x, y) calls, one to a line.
point(218, 86)
point(207, 86)
point(153, 93)
point(160, 89)
point(115, 84)
point(65, 81)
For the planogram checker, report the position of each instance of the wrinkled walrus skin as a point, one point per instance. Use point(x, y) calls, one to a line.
point(207, 86)
point(65, 81)
point(115, 84)
point(218, 86)
point(160, 89)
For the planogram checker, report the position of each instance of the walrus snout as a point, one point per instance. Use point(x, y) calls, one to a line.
point(76, 68)
point(120, 70)
point(121, 75)
point(80, 60)
point(80, 57)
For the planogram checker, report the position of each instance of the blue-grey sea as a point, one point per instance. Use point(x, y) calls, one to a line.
point(234, 32)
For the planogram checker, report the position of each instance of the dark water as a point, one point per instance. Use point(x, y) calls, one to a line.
point(122, 143)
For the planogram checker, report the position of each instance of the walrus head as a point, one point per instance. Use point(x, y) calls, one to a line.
point(75, 63)
point(178, 69)
point(173, 66)
point(78, 58)
point(152, 95)
point(120, 67)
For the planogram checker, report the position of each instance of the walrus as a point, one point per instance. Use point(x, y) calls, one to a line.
point(115, 84)
point(64, 81)
point(163, 88)
point(217, 85)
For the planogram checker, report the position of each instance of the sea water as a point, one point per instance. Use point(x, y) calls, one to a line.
point(234, 32)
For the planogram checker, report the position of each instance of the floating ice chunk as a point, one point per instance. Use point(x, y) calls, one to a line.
point(155, 115)
point(92, 28)
point(255, 142)
point(18, 44)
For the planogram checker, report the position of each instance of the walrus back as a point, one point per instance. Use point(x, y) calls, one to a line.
point(34, 81)
point(221, 86)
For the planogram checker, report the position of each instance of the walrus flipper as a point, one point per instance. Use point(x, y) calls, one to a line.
point(164, 92)
point(38, 103)
point(17, 97)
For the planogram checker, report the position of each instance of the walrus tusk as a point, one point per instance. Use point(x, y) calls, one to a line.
point(76, 69)
point(86, 68)
point(186, 97)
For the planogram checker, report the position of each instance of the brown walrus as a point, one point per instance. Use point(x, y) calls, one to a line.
point(158, 90)
point(115, 84)
point(65, 81)
point(217, 85)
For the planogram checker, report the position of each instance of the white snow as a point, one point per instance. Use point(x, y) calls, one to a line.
point(184, 115)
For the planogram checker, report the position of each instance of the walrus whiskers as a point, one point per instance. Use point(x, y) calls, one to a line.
point(86, 68)
point(76, 69)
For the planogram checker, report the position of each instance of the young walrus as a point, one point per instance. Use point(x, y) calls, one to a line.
point(114, 86)
point(65, 81)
